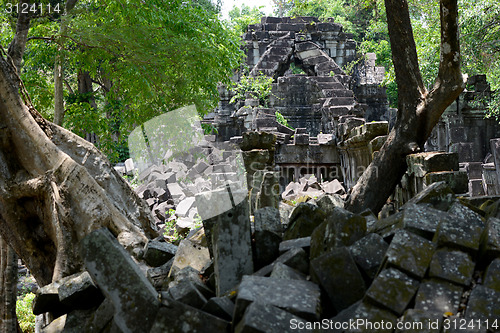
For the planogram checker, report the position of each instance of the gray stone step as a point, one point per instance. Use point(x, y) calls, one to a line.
point(336, 101)
point(337, 93)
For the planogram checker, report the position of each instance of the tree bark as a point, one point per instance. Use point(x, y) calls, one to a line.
point(55, 188)
point(418, 109)
point(8, 288)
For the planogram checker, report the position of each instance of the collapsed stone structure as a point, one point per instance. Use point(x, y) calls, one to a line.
point(333, 111)
point(304, 264)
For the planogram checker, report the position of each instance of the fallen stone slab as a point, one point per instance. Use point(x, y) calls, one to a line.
point(438, 296)
point(459, 232)
point(268, 218)
point(421, 219)
point(158, 275)
point(282, 271)
point(120, 279)
point(221, 307)
point(439, 195)
point(303, 220)
point(371, 318)
point(492, 275)
point(190, 254)
point(184, 206)
point(102, 316)
point(187, 293)
point(484, 304)
point(157, 253)
point(266, 247)
point(328, 203)
point(490, 247)
point(339, 276)
point(295, 258)
point(79, 292)
point(47, 300)
point(341, 228)
point(410, 253)
point(369, 253)
point(392, 289)
point(304, 242)
point(176, 317)
point(266, 318)
point(453, 266)
point(301, 298)
point(232, 247)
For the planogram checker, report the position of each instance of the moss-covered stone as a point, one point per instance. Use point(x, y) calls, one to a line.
point(410, 253)
point(492, 275)
point(368, 253)
point(438, 297)
point(392, 289)
point(339, 276)
point(453, 266)
point(303, 220)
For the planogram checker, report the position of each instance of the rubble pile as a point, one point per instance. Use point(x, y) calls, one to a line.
point(436, 261)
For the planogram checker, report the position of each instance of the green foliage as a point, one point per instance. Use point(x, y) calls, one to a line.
point(241, 17)
point(281, 120)
point(24, 313)
point(259, 87)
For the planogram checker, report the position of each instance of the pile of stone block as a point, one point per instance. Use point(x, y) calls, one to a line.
point(427, 168)
point(170, 188)
point(308, 187)
point(434, 263)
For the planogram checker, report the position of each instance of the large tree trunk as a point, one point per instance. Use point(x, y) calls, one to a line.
point(55, 188)
point(418, 109)
point(8, 288)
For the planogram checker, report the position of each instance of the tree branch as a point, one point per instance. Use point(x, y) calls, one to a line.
point(18, 44)
point(449, 82)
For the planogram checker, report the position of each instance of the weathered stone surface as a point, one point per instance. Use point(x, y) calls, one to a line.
point(421, 219)
point(484, 304)
point(303, 220)
point(453, 266)
point(490, 247)
point(120, 279)
point(393, 290)
point(328, 202)
point(269, 190)
point(371, 318)
point(439, 195)
point(337, 273)
point(457, 180)
point(492, 275)
point(221, 307)
point(186, 292)
point(295, 258)
point(231, 247)
point(416, 321)
point(301, 298)
point(462, 229)
point(369, 253)
point(265, 318)
point(157, 253)
point(282, 271)
point(257, 140)
point(341, 228)
point(266, 247)
point(410, 253)
point(304, 242)
point(268, 218)
point(176, 317)
point(432, 162)
point(190, 254)
point(56, 326)
point(79, 292)
point(101, 317)
point(184, 206)
point(436, 296)
point(47, 300)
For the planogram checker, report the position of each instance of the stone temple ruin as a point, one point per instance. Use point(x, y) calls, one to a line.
point(274, 250)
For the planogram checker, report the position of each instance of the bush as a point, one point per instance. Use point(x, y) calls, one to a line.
point(25, 314)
